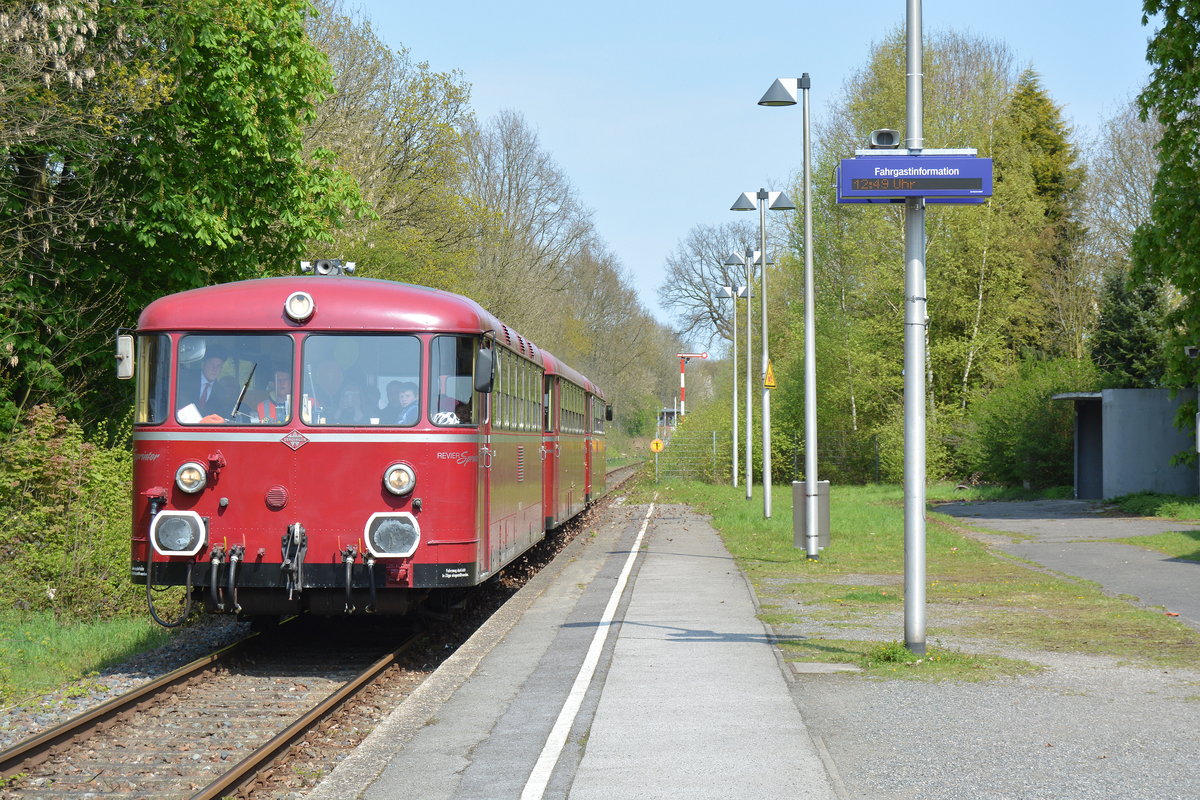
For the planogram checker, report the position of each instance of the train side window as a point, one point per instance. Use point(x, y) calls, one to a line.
point(451, 381)
point(153, 379)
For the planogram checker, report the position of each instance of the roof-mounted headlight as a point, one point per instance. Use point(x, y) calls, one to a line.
point(191, 477)
point(299, 306)
point(399, 479)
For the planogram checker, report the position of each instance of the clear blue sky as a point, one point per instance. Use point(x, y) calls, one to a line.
point(650, 108)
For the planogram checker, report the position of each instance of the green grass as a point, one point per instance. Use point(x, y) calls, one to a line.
point(984, 595)
point(1177, 544)
point(1165, 506)
point(38, 654)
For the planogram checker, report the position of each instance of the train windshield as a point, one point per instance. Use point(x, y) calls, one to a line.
point(361, 380)
point(234, 379)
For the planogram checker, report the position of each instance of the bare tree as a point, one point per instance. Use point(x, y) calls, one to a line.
point(531, 222)
point(1120, 184)
point(398, 128)
point(694, 271)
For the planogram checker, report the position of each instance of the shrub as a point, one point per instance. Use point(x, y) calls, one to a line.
point(1018, 435)
point(64, 521)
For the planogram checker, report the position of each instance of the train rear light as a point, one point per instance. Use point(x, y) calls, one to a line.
point(399, 479)
point(299, 306)
point(177, 533)
point(392, 535)
point(191, 477)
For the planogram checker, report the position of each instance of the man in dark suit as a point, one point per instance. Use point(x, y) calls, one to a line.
point(203, 388)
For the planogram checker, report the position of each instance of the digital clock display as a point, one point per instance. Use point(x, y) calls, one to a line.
point(914, 184)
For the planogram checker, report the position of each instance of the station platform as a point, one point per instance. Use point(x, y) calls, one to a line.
point(634, 666)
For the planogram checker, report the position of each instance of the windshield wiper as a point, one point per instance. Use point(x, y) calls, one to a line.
point(242, 393)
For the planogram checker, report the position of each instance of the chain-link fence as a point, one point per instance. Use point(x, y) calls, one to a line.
point(695, 455)
point(844, 457)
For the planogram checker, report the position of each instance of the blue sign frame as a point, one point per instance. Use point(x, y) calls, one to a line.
point(895, 177)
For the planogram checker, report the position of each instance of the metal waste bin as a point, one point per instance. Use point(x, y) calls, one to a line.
point(800, 518)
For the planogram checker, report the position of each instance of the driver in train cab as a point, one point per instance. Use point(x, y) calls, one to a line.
point(276, 407)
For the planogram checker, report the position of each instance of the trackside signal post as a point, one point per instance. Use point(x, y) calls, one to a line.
point(683, 359)
point(914, 176)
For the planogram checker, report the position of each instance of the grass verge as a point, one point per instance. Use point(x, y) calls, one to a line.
point(38, 654)
point(1177, 544)
point(839, 607)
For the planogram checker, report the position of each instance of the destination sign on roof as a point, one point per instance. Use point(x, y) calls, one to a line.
point(945, 176)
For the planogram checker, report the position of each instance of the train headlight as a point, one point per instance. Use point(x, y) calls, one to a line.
point(177, 533)
point(191, 477)
point(392, 535)
point(399, 479)
point(299, 306)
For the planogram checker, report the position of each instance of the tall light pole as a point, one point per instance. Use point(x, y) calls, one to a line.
point(776, 201)
point(747, 261)
point(915, 328)
point(733, 293)
point(783, 93)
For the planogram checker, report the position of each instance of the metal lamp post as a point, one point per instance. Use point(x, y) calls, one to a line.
point(733, 293)
point(747, 261)
point(783, 93)
point(776, 201)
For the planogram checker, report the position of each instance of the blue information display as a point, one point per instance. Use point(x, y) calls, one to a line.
point(895, 177)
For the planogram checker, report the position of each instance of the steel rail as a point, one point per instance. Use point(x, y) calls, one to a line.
point(37, 749)
point(255, 764)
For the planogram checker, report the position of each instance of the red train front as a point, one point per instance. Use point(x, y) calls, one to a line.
point(333, 444)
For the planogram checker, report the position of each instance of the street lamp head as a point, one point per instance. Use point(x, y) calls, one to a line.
point(781, 202)
point(781, 93)
point(746, 202)
point(784, 91)
point(734, 260)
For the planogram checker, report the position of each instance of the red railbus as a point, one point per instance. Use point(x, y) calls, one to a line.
point(337, 444)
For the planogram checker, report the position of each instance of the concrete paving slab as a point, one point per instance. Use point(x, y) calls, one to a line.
point(688, 697)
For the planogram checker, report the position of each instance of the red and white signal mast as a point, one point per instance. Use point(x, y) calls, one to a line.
point(683, 359)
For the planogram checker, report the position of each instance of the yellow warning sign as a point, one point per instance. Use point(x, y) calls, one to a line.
point(657, 445)
point(769, 381)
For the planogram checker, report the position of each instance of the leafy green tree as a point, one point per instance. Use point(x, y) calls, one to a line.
point(980, 260)
point(202, 179)
point(1062, 292)
point(1167, 246)
point(1129, 343)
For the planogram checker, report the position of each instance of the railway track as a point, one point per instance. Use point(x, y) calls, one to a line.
point(207, 729)
point(213, 728)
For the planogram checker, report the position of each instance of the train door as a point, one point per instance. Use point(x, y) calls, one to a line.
point(549, 452)
point(589, 441)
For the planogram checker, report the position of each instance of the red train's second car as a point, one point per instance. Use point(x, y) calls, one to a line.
point(337, 444)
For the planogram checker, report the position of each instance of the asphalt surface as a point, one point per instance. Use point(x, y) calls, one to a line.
point(1071, 536)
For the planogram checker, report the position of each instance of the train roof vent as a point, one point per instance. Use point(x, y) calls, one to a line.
point(507, 334)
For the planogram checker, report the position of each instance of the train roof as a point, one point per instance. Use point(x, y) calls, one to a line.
point(554, 366)
point(343, 303)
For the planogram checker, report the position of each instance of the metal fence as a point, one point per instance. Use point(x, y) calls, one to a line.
point(695, 455)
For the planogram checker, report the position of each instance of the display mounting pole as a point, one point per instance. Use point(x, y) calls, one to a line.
point(915, 321)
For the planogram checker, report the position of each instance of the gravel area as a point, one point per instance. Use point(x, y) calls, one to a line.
point(45, 711)
point(1085, 727)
